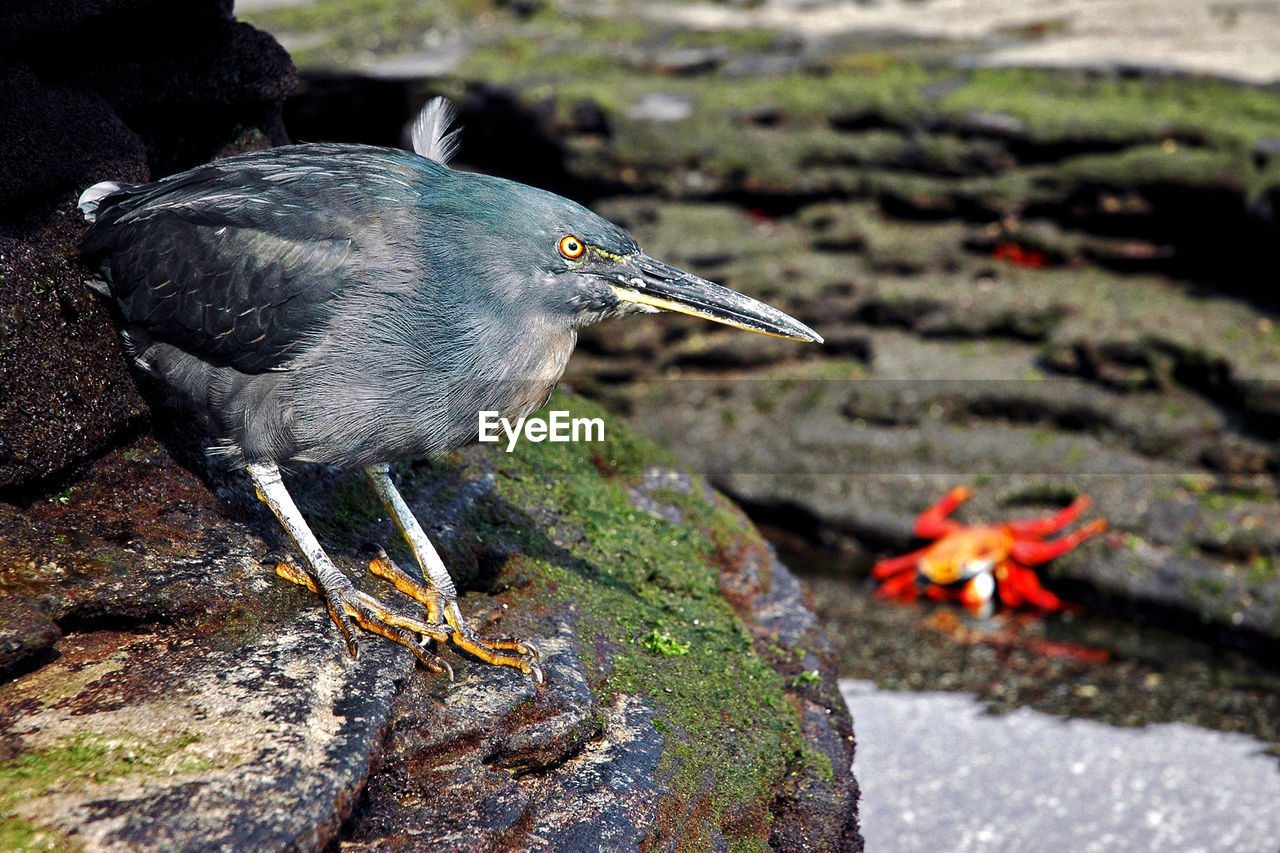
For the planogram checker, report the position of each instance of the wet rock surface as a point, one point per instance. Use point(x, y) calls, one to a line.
point(1038, 284)
point(1032, 384)
point(1076, 784)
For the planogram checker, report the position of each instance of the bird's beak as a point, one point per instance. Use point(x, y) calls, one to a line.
point(641, 280)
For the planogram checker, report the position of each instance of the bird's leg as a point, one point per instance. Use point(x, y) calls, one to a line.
point(344, 600)
point(438, 594)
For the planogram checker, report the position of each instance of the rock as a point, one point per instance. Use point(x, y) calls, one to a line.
point(156, 742)
point(177, 85)
point(438, 61)
point(985, 123)
point(685, 62)
point(661, 107)
point(1266, 151)
point(65, 390)
point(173, 693)
point(537, 770)
point(203, 83)
point(25, 632)
point(56, 138)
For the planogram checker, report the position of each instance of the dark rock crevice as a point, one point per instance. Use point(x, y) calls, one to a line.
point(122, 91)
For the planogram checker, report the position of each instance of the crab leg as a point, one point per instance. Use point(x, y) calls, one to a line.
point(940, 593)
point(1052, 524)
point(901, 587)
point(933, 522)
point(1029, 552)
point(895, 565)
point(1018, 583)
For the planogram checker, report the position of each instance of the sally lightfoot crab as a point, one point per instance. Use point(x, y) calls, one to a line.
point(975, 563)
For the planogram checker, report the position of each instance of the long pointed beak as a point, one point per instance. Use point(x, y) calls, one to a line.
point(643, 281)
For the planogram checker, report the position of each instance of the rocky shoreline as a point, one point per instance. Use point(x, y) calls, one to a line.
point(1038, 284)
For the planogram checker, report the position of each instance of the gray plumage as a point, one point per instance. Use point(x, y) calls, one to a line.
point(336, 303)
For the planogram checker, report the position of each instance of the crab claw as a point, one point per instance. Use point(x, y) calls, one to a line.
point(1018, 584)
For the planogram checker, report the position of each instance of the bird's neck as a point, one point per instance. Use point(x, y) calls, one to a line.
point(536, 355)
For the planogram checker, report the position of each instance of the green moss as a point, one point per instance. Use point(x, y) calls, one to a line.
point(764, 404)
point(1042, 438)
point(737, 41)
point(1207, 587)
point(338, 33)
point(1192, 129)
point(662, 643)
point(1058, 106)
point(1262, 568)
point(656, 604)
point(349, 511)
point(74, 761)
point(1155, 164)
point(20, 836)
point(613, 31)
point(497, 60)
point(244, 625)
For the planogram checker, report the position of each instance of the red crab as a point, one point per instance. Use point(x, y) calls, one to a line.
point(973, 563)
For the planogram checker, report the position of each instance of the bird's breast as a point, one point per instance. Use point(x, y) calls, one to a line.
point(531, 385)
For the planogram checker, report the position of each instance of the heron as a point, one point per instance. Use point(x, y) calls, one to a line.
point(358, 306)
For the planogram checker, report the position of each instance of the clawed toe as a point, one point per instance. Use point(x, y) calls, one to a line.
point(349, 606)
point(525, 658)
point(346, 603)
point(444, 622)
point(439, 607)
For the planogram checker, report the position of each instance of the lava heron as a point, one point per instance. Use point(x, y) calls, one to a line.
point(358, 306)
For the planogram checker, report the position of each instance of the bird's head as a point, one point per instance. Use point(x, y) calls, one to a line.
point(544, 249)
point(583, 268)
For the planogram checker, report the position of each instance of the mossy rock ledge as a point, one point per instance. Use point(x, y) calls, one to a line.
point(164, 690)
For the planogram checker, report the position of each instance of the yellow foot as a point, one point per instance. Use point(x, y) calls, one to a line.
point(374, 616)
point(525, 657)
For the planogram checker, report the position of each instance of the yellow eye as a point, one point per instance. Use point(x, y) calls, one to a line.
point(571, 247)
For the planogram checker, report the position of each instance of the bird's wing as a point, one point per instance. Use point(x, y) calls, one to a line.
point(241, 261)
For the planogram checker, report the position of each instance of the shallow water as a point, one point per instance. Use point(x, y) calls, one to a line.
point(1090, 666)
point(939, 773)
point(966, 736)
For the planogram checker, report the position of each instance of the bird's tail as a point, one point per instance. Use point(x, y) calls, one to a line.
point(431, 135)
point(92, 197)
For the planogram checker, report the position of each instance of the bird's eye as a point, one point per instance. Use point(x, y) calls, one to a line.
point(571, 247)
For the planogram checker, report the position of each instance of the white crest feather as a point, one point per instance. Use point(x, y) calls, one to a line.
point(431, 135)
